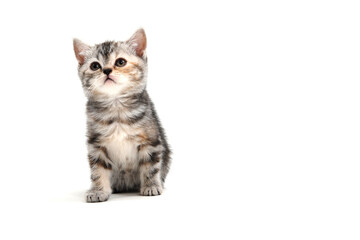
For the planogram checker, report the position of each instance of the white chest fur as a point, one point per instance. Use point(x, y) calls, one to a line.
point(121, 146)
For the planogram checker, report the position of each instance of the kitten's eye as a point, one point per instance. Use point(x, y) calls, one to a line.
point(120, 62)
point(95, 66)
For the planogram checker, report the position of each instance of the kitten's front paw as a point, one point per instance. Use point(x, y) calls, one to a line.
point(97, 196)
point(151, 191)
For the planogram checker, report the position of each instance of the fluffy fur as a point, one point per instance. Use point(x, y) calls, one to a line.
point(127, 148)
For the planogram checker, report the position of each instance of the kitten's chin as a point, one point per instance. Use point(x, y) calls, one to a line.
point(108, 88)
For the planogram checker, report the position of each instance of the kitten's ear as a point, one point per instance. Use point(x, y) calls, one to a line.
point(138, 42)
point(80, 50)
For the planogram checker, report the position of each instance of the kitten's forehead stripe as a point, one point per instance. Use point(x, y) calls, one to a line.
point(105, 49)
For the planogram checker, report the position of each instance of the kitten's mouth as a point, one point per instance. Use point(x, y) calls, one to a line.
point(109, 80)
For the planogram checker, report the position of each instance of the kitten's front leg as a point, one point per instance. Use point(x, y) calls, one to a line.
point(101, 187)
point(151, 184)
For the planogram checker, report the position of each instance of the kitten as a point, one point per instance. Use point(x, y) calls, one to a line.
point(127, 148)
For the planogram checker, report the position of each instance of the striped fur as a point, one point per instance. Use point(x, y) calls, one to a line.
point(127, 148)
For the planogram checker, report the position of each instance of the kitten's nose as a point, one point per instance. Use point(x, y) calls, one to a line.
point(107, 71)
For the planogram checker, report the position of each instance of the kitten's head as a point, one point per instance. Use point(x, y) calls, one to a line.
point(113, 69)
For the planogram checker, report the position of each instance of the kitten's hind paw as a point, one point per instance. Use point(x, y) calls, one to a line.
point(151, 191)
point(97, 196)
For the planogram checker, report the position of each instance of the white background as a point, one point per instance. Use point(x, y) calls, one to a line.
point(259, 99)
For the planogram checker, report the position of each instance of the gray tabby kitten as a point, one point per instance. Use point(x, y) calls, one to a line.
point(127, 148)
